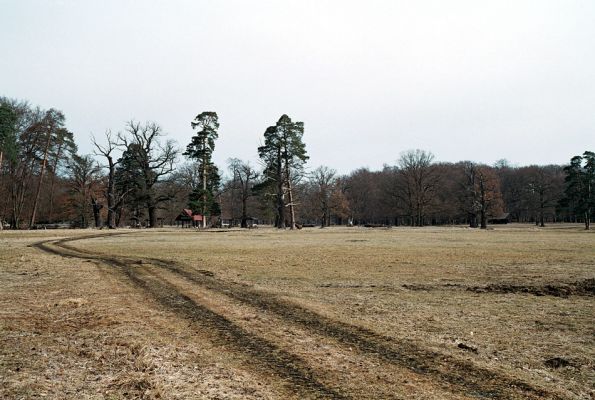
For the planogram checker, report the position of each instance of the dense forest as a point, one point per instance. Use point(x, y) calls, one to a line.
point(138, 177)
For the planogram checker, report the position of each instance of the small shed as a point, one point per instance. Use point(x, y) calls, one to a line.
point(188, 218)
point(500, 219)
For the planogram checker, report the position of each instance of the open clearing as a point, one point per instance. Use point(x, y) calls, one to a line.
point(426, 313)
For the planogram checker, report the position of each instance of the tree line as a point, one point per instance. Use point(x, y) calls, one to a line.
point(139, 177)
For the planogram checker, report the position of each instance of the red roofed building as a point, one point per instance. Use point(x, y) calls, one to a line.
point(188, 218)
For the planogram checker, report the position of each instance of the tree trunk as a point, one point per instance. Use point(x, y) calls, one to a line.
point(280, 195)
point(52, 183)
point(41, 173)
point(289, 190)
point(587, 220)
point(96, 212)
point(51, 212)
point(111, 196)
point(153, 216)
point(18, 199)
point(484, 224)
point(244, 223)
point(542, 203)
point(14, 220)
point(118, 216)
point(473, 220)
point(290, 198)
point(280, 208)
point(418, 211)
point(204, 186)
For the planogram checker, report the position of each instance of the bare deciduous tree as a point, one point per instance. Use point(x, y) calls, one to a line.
point(323, 180)
point(417, 181)
point(244, 176)
point(154, 160)
point(83, 183)
point(544, 188)
point(108, 150)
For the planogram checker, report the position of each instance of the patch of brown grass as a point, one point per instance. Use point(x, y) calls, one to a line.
point(77, 329)
point(71, 329)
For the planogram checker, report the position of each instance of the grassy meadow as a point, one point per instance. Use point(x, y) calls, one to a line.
point(436, 312)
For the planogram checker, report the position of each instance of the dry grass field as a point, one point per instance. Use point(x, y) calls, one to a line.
point(404, 313)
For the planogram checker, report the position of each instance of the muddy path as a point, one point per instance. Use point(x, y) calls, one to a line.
point(451, 374)
point(585, 287)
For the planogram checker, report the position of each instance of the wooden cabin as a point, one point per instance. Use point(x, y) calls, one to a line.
point(188, 219)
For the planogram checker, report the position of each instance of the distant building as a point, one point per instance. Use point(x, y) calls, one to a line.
point(500, 219)
point(187, 219)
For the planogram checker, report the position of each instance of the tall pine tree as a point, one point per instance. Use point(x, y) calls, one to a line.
point(201, 147)
point(284, 155)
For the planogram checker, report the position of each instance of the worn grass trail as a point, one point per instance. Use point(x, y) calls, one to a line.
point(266, 357)
point(162, 282)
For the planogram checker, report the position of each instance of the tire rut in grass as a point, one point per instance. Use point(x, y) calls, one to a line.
point(459, 375)
point(270, 359)
point(585, 287)
point(464, 376)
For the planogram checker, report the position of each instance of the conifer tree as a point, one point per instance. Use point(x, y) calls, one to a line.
point(284, 155)
point(580, 183)
point(201, 148)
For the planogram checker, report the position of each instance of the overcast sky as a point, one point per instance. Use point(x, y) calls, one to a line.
point(467, 80)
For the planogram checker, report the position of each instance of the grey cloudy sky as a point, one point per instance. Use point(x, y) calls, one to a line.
point(478, 80)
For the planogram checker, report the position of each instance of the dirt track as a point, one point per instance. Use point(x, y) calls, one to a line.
point(171, 286)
